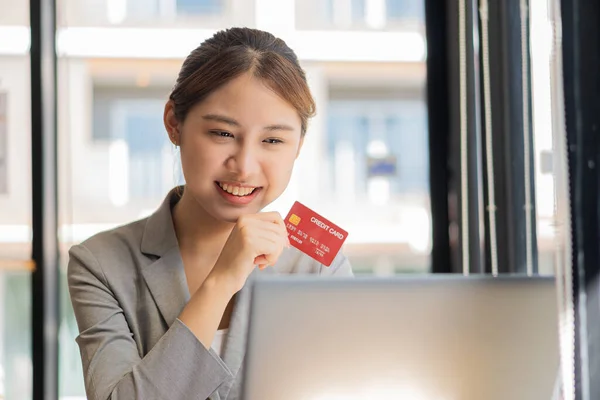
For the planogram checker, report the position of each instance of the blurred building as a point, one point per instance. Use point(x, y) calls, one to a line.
point(118, 62)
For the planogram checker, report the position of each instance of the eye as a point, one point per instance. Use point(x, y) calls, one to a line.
point(221, 134)
point(273, 141)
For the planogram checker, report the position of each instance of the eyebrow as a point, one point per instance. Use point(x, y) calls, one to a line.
point(233, 122)
point(221, 118)
point(278, 127)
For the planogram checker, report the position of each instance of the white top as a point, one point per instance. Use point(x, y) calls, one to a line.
point(219, 341)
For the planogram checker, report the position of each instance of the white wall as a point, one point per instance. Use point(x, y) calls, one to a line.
point(14, 12)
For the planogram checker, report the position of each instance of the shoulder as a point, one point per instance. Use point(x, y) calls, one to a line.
point(293, 261)
point(109, 249)
point(115, 241)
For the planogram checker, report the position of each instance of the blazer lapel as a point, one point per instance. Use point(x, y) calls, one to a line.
point(165, 276)
point(167, 283)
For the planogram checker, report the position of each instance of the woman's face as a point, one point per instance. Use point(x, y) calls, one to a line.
point(238, 148)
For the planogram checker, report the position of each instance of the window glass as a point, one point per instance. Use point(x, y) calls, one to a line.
point(15, 202)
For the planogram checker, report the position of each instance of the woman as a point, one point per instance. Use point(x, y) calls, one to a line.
point(162, 303)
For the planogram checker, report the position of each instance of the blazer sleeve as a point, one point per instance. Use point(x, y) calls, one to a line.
point(177, 367)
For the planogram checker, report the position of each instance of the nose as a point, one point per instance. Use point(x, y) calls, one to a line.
point(244, 162)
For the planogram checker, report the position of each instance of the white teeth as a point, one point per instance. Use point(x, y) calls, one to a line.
point(236, 190)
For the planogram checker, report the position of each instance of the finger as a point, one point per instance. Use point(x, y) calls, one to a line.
point(273, 217)
point(288, 244)
point(271, 259)
point(277, 229)
point(274, 240)
point(276, 249)
point(260, 260)
point(268, 250)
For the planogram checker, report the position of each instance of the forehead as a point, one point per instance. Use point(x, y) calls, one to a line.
point(250, 101)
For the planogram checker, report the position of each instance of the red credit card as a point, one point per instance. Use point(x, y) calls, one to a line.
point(314, 235)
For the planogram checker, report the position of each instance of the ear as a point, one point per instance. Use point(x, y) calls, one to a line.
point(300, 146)
point(171, 123)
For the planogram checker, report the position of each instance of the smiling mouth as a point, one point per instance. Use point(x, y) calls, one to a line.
point(240, 191)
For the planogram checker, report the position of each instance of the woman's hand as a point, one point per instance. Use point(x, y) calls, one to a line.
point(256, 239)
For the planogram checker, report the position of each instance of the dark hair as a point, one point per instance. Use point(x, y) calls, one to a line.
point(232, 52)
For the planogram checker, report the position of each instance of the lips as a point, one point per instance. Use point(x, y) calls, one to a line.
point(236, 194)
point(236, 189)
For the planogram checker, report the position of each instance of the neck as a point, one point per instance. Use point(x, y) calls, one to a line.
point(197, 231)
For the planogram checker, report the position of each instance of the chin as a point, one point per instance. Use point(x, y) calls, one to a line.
point(232, 215)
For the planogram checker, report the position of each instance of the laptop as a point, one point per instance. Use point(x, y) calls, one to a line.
point(413, 338)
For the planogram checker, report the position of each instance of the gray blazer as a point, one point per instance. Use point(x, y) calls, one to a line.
point(128, 286)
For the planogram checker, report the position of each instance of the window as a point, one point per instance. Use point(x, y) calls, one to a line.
point(199, 6)
point(346, 13)
point(139, 152)
point(136, 10)
point(152, 14)
point(392, 131)
point(146, 141)
point(360, 14)
point(147, 10)
point(377, 166)
point(405, 9)
point(357, 8)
